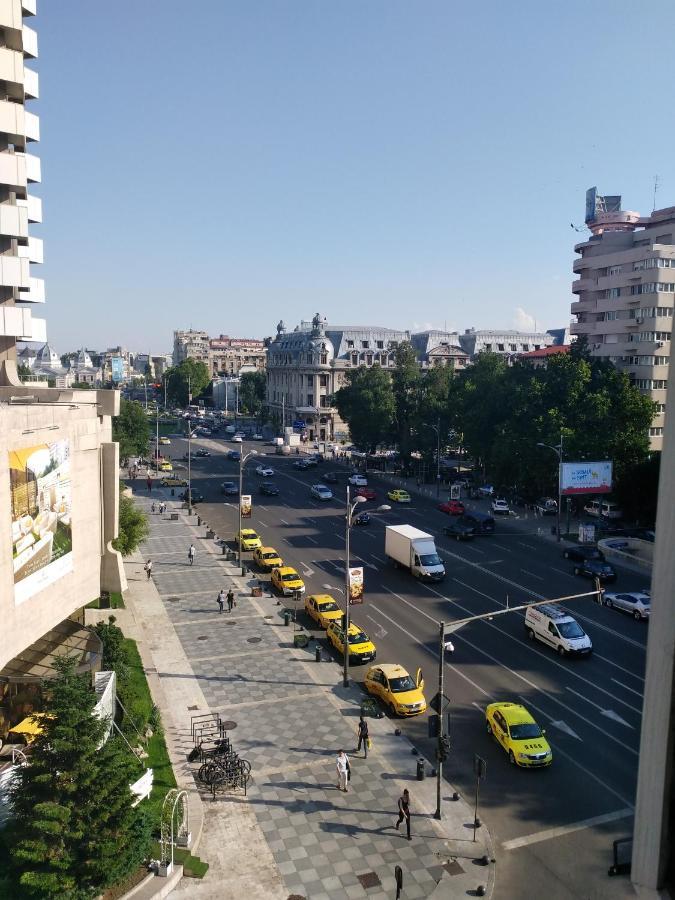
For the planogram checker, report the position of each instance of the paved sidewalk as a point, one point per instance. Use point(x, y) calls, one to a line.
point(294, 834)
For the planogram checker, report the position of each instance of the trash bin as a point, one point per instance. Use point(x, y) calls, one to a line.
point(287, 617)
point(420, 769)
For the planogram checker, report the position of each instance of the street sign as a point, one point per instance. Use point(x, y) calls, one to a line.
point(436, 702)
point(455, 492)
point(479, 766)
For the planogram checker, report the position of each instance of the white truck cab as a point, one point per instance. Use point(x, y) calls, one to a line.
point(553, 626)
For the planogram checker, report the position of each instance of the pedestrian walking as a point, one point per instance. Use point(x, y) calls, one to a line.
point(404, 811)
point(230, 600)
point(148, 568)
point(149, 483)
point(363, 737)
point(343, 770)
point(220, 600)
point(191, 554)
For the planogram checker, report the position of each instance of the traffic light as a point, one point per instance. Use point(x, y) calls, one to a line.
point(434, 725)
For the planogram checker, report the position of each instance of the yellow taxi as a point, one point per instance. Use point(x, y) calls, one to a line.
point(513, 727)
point(248, 539)
point(399, 496)
point(164, 440)
point(165, 466)
point(267, 558)
point(397, 689)
point(361, 648)
point(174, 481)
point(287, 581)
point(323, 609)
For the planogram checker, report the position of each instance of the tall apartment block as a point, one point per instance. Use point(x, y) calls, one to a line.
point(626, 294)
point(19, 169)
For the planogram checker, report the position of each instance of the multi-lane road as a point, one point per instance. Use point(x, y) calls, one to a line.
point(552, 828)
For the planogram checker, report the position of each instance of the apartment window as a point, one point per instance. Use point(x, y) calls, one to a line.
point(323, 380)
point(661, 360)
point(500, 347)
point(660, 407)
point(665, 263)
point(656, 432)
point(369, 359)
point(380, 345)
point(642, 361)
point(664, 312)
point(355, 359)
point(513, 347)
point(610, 316)
point(665, 287)
point(662, 335)
point(324, 401)
point(613, 293)
point(615, 270)
point(488, 347)
point(365, 344)
point(310, 399)
point(324, 359)
point(649, 287)
point(393, 345)
point(350, 344)
point(537, 346)
point(526, 347)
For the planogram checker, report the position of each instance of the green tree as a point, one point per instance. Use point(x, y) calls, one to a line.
point(24, 371)
point(252, 392)
point(115, 655)
point(366, 404)
point(406, 383)
point(131, 429)
point(133, 527)
point(74, 831)
point(190, 372)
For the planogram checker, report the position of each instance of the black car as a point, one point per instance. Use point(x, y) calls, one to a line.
point(581, 553)
point(460, 531)
point(330, 478)
point(301, 464)
point(269, 489)
point(234, 455)
point(196, 497)
point(229, 488)
point(595, 568)
point(362, 519)
point(202, 452)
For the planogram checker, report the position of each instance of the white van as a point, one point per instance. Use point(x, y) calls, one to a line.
point(604, 508)
point(553, 626)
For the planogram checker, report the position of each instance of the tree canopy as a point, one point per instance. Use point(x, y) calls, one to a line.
point(252, 392)
point(131, 429)
point(133, 527)
point(191, 377)
point(366, 403)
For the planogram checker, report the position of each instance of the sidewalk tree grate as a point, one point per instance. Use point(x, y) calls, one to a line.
point(297, 897)
point(254, 640)
point(369, 880)
point(452, 867)
point(173, 599)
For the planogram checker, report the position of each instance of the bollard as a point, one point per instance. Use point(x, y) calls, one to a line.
point(199, 520)
point(287, 617)
point(420, 770)
point(317, 653)
point(224, 550)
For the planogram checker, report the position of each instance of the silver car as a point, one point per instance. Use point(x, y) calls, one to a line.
point(637, 603)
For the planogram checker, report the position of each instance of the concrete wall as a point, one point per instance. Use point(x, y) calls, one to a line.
point(83, 419)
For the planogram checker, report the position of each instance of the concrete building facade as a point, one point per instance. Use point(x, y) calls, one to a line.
point(20, 291)
point(223, 355)
point(505, 343)
point(626, 295)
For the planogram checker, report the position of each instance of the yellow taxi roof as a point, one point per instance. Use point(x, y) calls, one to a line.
point(287, 570)
point(321, 598)
point(248, 531)
point(392, 670)
point(262, 550)
point(514, 713)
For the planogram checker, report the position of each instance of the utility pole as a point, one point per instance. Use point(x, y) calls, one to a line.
point(440, 745)
point(189, 427)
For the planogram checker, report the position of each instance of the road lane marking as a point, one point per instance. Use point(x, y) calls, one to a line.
point(617, 666)
point(560, 571)
point(551, 833)
point(625, 686)
point(382, 631)
point(608, 713)
point(283, 521)
point(264, 524)
point(476, 591)
point(528, 546)
point(563, 726)
point(532, 575)
point(308, 538)
point(502, 547)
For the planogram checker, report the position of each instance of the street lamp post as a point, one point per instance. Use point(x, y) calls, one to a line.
point(559, 451)
point(351, 506)
point(242, 459)
point(437, 429)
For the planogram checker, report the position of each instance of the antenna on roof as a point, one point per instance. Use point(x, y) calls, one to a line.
point(656, 187)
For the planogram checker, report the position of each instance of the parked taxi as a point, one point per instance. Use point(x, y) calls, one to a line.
point(399, 496)
point(164, 440)
point(173, 481)
point(513, 727)
point(323, 609)
point(397, 689)
point(165, 466)
point(248, 539)
point(267, 558)
point(286, 581)
point(361, 648)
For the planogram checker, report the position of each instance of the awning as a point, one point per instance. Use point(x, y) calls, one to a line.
point(29, 727)
point(68, 638)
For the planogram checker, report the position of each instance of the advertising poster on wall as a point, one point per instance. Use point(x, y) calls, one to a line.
point(356, 585)
point(586, 478)
point(246, 506)
point(117, 369)
point(40, 496)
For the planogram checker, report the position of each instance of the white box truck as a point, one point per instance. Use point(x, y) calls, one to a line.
point(413, 549)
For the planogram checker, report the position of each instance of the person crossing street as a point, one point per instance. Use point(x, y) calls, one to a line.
point(404, 811)
point(363, 737)
point(191, 554)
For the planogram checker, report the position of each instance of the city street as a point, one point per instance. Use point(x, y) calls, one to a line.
point(552, 828)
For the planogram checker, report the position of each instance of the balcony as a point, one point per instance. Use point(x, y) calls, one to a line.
point(33, 251)
point(33, 206)
point(34, 292)
point(30, 42)
point(13, 221)
point(14, 272)
point(32, 127)
point(13, 171)
point(584, 284)
point(11, 70)
point(31, 84)
point(33, 168)
point(29, 7)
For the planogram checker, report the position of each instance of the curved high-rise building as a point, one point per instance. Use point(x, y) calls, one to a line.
point(20, 290)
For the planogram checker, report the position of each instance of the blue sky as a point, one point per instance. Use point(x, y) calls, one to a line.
point(222, 165)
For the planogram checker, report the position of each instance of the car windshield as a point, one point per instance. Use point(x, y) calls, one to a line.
point(360, 638)
point(329, 606)
point(250, 536)
point(271, 555)
point(525, 731)
point(290, 576)
point(399, 685)
point(570, 630)
point(430, 559)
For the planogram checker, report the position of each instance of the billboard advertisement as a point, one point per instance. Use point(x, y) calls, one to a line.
point(246, 505)
point(40, 492)
point(586, 478)
point(117, 369)
point(356, 585)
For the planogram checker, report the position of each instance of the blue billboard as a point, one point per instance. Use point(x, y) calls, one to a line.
point(117, 368)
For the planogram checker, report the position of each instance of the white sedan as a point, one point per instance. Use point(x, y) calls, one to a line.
point(358, 480)
point(500, 507)
point(237, 439)
point(321, 492)
point(264, 471)
point(637, 603)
